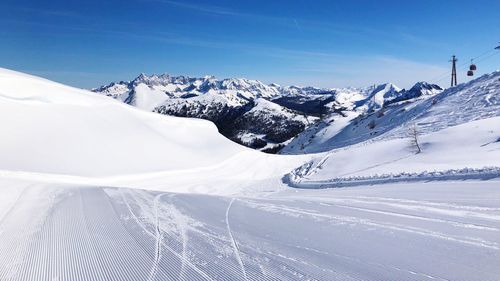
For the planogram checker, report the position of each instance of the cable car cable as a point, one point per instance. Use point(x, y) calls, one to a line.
point(460, 67)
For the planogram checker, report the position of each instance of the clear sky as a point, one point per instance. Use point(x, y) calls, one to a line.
point(323, 43)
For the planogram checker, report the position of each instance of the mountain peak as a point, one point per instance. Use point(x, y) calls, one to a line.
point(427, 86)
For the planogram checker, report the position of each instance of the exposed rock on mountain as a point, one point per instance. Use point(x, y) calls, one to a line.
point(260, 116)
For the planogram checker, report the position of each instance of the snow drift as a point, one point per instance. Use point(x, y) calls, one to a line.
point(51, 128)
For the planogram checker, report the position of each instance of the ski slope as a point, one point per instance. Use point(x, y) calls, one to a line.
point(432, 231)
point(473, 145)
point(92, 189)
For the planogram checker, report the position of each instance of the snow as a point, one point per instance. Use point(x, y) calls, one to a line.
point(349, 97)
point(145, 98)
point(233, 91)
point(392, 232)
point(263, 106)
point(315, 136)
point(434, 111)
point(247, 137)
point(475, 100)
point(472, 145)
point(51, 128)
point(116, 90)
point(380, 95)
point(174, 86)
point(93, 189)
point(11, 191)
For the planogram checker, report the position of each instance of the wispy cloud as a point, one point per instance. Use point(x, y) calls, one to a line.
point(30, 11)
point(423, 41)
point(297, 25)
point(305, 26)
point(200, 7)
point(316, 26)
point(307, 65)
point(224, 11)
point(180, 39)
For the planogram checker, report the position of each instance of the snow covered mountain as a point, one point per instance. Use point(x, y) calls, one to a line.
point(427, 106)
point(420, 89)
point(242, 109)
point(249, 112)
point(234, 92)
point(378, 96)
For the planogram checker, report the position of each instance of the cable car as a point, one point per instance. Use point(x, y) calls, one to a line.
point(470, 73)
point(472, 66)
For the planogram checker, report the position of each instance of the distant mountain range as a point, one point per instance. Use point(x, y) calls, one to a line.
point(424, 105)
point(254, 114)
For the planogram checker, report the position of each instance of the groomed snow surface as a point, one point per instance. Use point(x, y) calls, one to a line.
point(92, 189)
point(431, 231)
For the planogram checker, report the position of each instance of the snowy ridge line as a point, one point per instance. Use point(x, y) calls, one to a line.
point(297, 179)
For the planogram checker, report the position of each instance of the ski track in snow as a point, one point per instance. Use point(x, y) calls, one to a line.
point(162, 244)
point(158, 238)
point(402, 215)
point(122, 234)
point(233, 241)
point(285, 210)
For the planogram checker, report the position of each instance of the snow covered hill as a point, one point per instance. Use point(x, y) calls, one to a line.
point(259, 124)
point(425, 105)
point(51, 128)
point(472, 145)
point(267, 125)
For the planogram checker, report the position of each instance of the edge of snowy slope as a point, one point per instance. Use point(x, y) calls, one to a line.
point(245, 173)
point(52, 131)
point(52, 128)
point(474, 145)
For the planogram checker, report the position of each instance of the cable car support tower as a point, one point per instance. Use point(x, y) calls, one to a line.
point(453, 70)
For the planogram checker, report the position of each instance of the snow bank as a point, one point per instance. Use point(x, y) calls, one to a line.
point(51, 128)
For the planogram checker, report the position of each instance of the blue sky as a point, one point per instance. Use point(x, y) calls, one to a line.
point(320, 43)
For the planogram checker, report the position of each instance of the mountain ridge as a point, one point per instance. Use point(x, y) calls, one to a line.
point(226, 102)
point(425, 106)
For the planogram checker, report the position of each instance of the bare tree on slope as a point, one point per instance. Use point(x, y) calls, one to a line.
point(414, 133)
